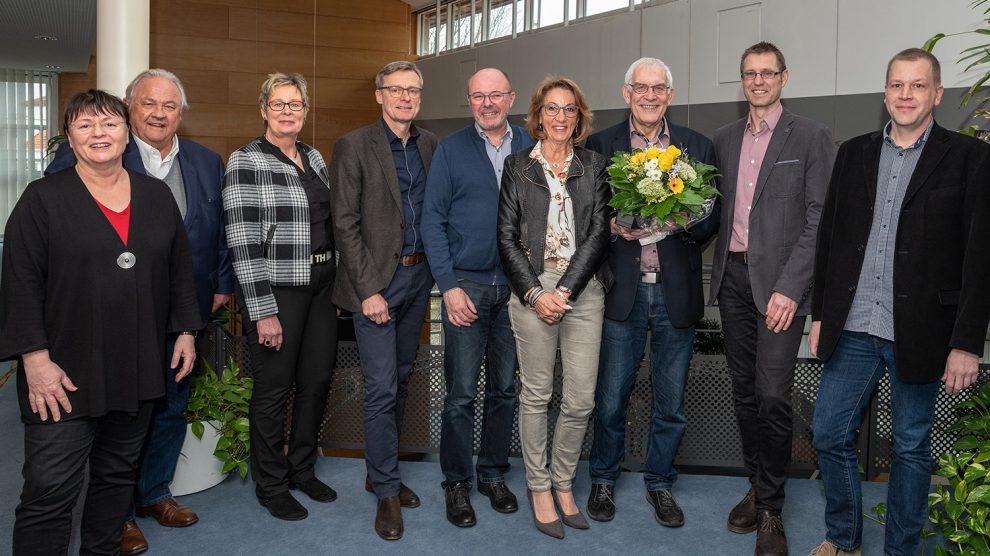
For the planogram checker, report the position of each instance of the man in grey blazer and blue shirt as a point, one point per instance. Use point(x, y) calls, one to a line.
point(377, 184)
point(775, 169)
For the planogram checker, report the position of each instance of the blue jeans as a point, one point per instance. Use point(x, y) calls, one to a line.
point(164, 441)
point(848, 380)
point(621, 354)
point(487, 339)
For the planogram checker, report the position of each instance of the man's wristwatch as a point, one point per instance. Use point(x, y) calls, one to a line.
point(192, 333)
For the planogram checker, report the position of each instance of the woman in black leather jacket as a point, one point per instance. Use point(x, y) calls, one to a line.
point(553, 235)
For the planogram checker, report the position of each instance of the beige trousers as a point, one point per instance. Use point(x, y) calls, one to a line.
point(579, 335)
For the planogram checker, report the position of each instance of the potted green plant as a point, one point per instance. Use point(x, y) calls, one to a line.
point(218, 440)
point(962, 511)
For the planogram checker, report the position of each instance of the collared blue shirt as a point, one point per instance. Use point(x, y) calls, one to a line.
point(497, 155)
point(872, 308)
point(412, 185)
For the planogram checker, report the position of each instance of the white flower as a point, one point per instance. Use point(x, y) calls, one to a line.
point(649, 188)
point(684, 171)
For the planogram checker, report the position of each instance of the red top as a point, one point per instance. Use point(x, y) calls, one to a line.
point(119, 220)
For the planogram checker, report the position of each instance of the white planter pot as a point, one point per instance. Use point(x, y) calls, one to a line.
point(197, 468)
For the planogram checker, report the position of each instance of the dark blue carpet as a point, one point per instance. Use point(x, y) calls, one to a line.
point(232, 521)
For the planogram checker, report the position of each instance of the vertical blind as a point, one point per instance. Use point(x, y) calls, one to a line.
point(28, 100)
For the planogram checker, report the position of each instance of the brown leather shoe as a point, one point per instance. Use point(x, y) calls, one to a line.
point(169, 513)
point(742, 518)
point(407, 498)
point(388, 520)
point(770, 538)
point(133, 541)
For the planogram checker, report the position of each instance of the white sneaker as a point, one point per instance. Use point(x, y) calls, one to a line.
point(828, 549)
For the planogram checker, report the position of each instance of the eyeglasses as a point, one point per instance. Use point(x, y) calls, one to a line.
point(552, 110)
point(765, 74)
point(87, 127)
point(496, 97)
point(641, 88)
point(396, 91)
point(278, 105)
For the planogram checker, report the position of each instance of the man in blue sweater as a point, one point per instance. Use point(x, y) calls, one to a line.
point(458, 227)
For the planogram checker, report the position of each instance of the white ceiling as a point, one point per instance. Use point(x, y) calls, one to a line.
point(417, 4)
point(72, 22)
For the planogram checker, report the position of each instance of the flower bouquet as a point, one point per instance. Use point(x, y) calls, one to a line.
point(658, 189)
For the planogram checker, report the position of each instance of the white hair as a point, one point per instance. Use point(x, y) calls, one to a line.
point(156, 72)
point(649, 62)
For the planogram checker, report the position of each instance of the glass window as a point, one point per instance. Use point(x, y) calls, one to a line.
point(500, 18)
point(547, 12)
point(26, 122)
point(442, 38)
point(427, 32)
point(600, 6)
point(462, 23)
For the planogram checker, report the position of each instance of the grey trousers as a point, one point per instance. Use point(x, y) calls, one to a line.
point(579, 336)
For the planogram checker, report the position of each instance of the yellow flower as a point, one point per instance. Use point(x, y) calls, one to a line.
point(676, 185)
point(665, 162)
point(638, 158)
point(653, 152)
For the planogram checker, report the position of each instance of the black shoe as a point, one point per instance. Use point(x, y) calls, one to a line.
point(502, 499)
point(407, 498)
point(459, 510)
point(388, 519)
point(770, 538)
point(284, 506)
point(742, 518)
point(601, 502)
point(315, 489)
point(665, 508)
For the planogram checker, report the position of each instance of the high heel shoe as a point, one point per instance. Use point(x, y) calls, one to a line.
point(574, 521)
point(554, 528)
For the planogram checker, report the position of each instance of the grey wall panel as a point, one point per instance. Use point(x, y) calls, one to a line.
point(846, 115)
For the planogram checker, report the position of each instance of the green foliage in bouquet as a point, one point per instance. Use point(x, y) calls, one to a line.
point(664, 184)
point(224, 399)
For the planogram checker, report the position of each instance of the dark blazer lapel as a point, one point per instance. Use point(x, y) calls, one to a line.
point(871, 163)
point(426, 155)
point(934, 150)
point(191, 184)
point(383, 152)
point(777, 141)
point(730, 168)
point(132, 157)
point(621, 140)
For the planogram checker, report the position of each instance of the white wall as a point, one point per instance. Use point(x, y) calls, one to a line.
point(833, 47)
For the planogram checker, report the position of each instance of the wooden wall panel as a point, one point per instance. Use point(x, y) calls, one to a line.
point(396, 12)
point(223, 50)
point(189, 18)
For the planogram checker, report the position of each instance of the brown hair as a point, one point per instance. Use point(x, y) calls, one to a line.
point(533, 125)
point(913, 55)
point(93, 101)
point(764, 47)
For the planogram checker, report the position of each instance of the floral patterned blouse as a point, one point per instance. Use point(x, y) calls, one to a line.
point(560, 241)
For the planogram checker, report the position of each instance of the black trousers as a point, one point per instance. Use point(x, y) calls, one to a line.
point(387, 353)
point(761, 363)
point(306, 360)
point(55, 458)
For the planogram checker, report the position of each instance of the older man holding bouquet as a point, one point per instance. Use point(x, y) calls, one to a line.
point(658, 287)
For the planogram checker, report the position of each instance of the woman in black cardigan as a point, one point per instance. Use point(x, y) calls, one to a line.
point(553, 236)
point(96, 273)
point(276, 200)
